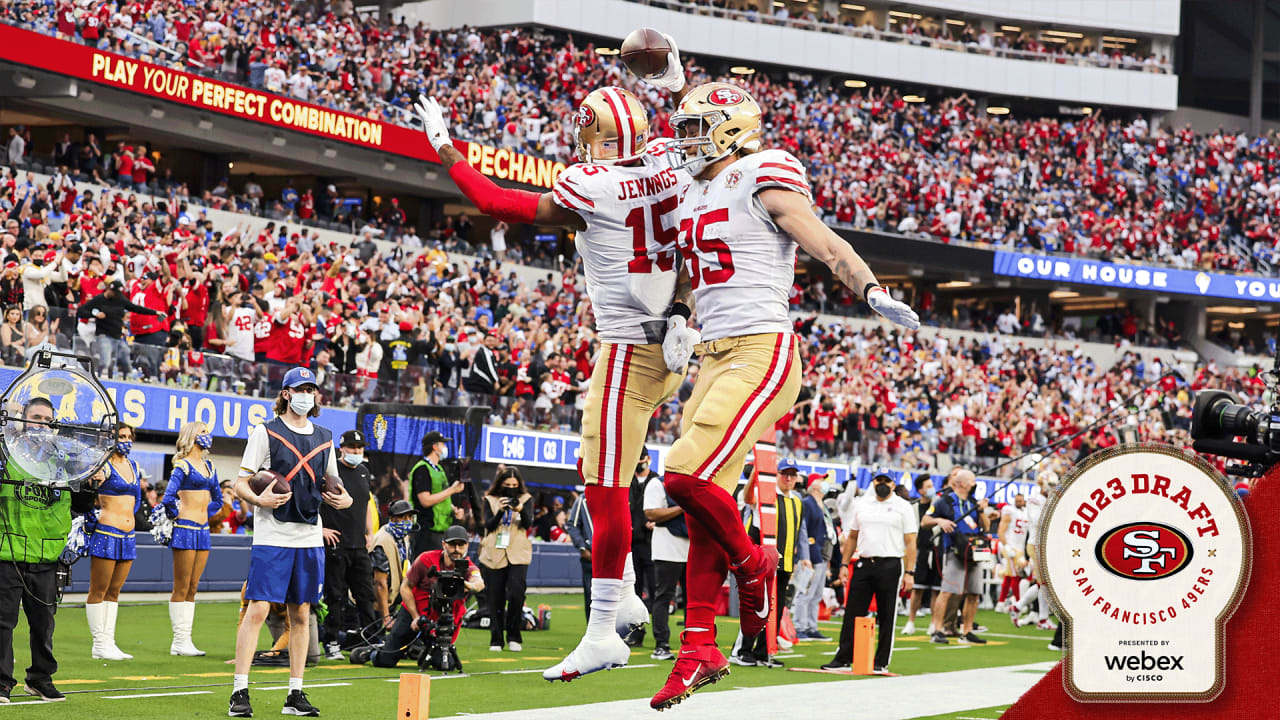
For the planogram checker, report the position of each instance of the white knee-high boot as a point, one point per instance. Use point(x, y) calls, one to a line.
point(109, 632)
point(97, 616)
point(182, 617)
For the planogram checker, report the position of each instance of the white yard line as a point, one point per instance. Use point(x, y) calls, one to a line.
point(151, 695)
point(887, 698)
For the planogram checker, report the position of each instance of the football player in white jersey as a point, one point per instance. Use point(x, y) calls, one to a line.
point(622, 200)
point(741, 220)
point(1013, 547)
point(1046, 485)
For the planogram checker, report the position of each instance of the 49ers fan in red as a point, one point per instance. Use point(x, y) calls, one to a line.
point(622, 199)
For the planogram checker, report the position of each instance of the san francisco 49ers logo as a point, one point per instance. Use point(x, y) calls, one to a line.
point(586, 116)
point(725, 96)
point(1144, 551)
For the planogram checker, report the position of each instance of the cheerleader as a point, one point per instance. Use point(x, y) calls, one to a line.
point(190, 499)
point(112, 547)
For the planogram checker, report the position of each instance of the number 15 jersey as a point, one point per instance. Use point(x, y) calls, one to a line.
point(741, 265)
point(629, 247)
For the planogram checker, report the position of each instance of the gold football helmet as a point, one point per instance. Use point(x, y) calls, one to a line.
point(611, 126)
point(714, 121)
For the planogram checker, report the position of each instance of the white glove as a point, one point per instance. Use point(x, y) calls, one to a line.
point(677, 346)
point(433, 121)
point(898, 313)
point(672, 78)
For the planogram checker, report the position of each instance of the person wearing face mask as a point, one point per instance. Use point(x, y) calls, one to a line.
point(389, 556)
point(505, 554)
point(112, 547)
point(415, 598)
point(928, 576)
point(881, 535)
point(432, 493)
point(190, 499)
point(347, 569)
point(286, 562)
point(821, 534)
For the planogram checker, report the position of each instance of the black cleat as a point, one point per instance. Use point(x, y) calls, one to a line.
point(297, 704)
point(940, 639)
point(973, 639)
point(239, 706)
point(837, 665)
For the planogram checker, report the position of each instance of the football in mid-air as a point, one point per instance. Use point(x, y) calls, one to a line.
point(265, 478)
point(644, 52)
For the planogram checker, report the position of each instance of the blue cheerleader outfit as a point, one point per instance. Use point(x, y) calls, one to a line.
point(188, 535)
point(109, 542)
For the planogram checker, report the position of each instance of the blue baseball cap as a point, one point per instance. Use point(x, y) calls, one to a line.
point(788, 464)
point(299, 376)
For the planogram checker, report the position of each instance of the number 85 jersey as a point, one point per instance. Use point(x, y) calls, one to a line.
point(629, 247)
point(741, 265)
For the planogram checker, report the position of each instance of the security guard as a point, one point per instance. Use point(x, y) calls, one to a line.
point(883, 532)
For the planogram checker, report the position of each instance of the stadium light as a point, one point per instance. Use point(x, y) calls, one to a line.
point(1230, 310)
point(742, 70)
point(24, 81)
point(1011, 28)
point(231, 166)
point(851, 6)
point(912, 98)
point(278, 140)
point(607, 51)
point(1086, 110)
point(204, 123)
point(1063, 294)
point(1113, 38)
point(954, 284)
point(330, 152)
point(955, 22)
point(1062, 33)
point(997, 110)
point(855, 83)
point(899, 13)
point(388, 166)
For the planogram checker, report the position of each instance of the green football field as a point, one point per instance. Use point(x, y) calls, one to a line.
point(156, 685)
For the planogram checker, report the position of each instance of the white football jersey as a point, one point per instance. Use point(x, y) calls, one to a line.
point(741, 265)
point(1036, 502)
point(1019, 524)
point(629, 247)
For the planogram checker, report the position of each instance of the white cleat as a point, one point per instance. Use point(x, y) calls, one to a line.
point(185, 648)
point(590, 656)
point(909, 628)
point(632, 614)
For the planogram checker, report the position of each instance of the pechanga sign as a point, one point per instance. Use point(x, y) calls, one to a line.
point(71, 59)
point(1137, 277)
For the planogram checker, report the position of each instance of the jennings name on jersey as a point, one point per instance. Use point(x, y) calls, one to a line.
point(741, 265)
point(629, 247)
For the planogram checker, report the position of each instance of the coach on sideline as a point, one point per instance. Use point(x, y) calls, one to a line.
point(286, 562)
point(881, 533)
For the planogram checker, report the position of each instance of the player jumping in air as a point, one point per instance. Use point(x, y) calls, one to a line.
point(741, 220)
point(622, 200)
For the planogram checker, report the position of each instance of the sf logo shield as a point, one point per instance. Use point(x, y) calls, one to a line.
point(1144, 551)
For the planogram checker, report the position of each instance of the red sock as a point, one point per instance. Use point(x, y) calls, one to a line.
point(716, 510)
point(704, 576)
point(1016, 586)
point(611, 530)
point(1004, 587)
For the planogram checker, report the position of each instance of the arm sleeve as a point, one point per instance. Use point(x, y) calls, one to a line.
point(506, 204)
point(215, 494)
point(134, 307)
point(170, 501)
point(526, 515)
point(86, 310)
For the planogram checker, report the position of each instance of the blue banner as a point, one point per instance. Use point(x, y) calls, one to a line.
point(1136, 277)
point(162, 409)
point(907, 478)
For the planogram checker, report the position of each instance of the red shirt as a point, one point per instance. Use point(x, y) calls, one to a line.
point(262, 335)
point(420, 583)
point(197, 306)
point(287, 337)
point(153, 297)
point(824, 425)
point(124, 164)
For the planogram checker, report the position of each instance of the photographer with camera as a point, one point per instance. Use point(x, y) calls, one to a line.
point(432, 602)
point(963, 523)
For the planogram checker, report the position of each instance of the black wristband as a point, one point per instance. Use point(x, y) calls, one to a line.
point(679, 308)
point(866, 289)
point(912, 573)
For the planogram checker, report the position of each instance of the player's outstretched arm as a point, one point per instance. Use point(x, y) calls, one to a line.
point(506, 204)
point(791, 212)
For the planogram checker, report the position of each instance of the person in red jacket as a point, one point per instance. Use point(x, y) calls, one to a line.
point(153, 293)
point(824, 428)
point(124, 166)
point(306, 206)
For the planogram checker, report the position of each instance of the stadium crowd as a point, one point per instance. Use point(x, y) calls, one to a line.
point(1098, 187)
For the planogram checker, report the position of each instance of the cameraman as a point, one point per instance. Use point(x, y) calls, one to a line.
point(35, 520)
point(960, 520)
point(415, 597)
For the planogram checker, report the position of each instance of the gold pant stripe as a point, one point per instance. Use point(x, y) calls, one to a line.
point(627, 384)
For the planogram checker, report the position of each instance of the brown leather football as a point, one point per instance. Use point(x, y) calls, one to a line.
point(644, 52)
point(332, 483)
point(264, 478)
